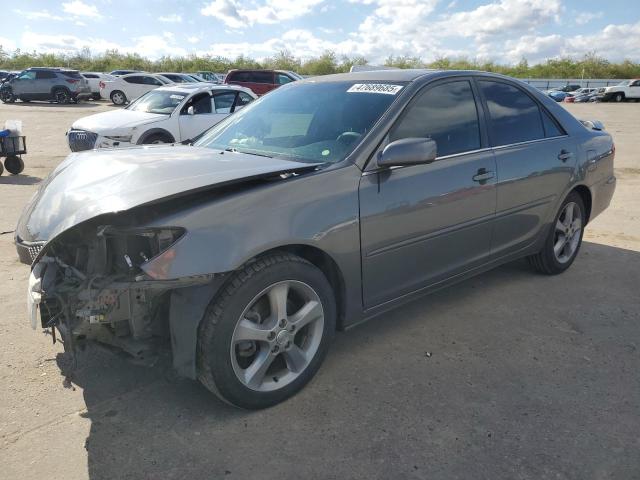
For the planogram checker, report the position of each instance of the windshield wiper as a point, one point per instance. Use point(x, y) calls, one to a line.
point(235, 150)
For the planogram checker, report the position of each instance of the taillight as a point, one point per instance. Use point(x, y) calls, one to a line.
point(101, 84)
point(71, 80)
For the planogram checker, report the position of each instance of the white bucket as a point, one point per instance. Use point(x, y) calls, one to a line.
point(14, 126)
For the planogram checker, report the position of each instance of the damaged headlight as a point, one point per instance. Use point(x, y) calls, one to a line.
point(128, 249)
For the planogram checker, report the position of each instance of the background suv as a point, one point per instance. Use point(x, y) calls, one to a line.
point(261, 81)
point(58, 84)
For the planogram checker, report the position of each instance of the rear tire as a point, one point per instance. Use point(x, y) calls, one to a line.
point(118, 97)
point(14, 165)
point(268, 298)
point(564, 238)
point(61, 96)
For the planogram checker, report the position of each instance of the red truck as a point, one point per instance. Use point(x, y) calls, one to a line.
point(261, 81)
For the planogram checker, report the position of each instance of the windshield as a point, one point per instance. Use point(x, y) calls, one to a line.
point(155, 101)
point(624, 83)
point(312, 122)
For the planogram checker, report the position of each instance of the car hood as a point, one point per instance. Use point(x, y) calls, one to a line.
point(116, 120)
point(92, 183)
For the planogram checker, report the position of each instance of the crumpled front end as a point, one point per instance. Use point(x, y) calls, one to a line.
point(92, 284)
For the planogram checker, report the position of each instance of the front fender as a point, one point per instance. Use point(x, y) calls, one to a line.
point(225, 230)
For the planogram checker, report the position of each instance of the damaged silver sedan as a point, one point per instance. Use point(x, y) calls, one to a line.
point(325, 203)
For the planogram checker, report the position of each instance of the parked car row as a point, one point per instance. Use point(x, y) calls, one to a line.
point(123, 86)
point(171, 113)
point(626, 90)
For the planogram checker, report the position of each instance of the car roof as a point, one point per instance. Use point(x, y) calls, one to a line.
point(203, 86)
point(55, 69)
point(400, 75)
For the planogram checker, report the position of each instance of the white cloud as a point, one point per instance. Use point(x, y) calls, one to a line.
point(7, 44)
point(502, 17)
point(236, 15)
point(193, 39)
point(585, 17)
point(37, 15)
point(80, 9)
point(172, 18)
point(151, 46)
point(614, 42)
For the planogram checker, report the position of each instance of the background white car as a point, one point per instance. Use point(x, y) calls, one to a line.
point(94, 79)
point(128, 87)
point(168, 114)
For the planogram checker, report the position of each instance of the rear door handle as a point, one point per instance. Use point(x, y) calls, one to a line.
point(483, 175)
point(564, 155)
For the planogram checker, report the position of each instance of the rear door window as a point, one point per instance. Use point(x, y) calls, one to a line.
point(137, 79)
point(223, 102)
point(152, 81)
point(239, 77)
point(44, 75)
point(515, 116)
point(261, 77)
point(447, 113)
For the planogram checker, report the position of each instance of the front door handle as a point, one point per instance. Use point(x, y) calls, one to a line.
point(483, 175)
point(564, 155)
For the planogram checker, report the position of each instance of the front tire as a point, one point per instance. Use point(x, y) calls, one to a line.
point(564, 238)
point(618, 97)
point(7, 96)
point(156, 139)
point(265, 335)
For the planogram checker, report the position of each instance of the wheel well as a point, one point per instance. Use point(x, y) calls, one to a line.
point(328, 267)
point(585, 194)
point(59, 87)
point(156, 131)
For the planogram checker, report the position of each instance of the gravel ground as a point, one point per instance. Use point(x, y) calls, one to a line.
point(508, 375)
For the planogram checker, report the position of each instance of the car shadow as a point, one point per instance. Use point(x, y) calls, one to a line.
point(19, 179)
point(43, 104)
point(476, 377)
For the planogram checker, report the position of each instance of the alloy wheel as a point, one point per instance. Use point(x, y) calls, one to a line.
point(117, 98)
point(277, 336)
point(568, 231)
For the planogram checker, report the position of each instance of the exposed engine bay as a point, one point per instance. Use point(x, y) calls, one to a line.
point(98, 290)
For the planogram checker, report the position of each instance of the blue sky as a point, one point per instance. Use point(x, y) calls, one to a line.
point(502, 30)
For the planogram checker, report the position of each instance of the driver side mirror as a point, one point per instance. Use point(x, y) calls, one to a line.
point(408, 151)
point(191, 111)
